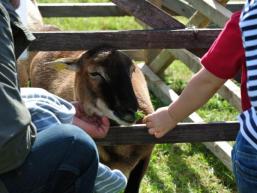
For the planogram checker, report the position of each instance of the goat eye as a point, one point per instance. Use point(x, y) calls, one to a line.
point(95, 75)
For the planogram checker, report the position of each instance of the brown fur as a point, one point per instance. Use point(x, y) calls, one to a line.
point(35, 23)
point(23, 66)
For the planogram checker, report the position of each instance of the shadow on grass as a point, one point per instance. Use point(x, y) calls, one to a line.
point(219, 169)
point(184, 178)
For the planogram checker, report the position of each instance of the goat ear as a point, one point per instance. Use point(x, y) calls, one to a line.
point(64, 63)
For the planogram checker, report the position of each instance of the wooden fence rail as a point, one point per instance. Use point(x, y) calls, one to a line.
point(184, 132)
point(80, 10)
point(107, 9)
point(132, 39)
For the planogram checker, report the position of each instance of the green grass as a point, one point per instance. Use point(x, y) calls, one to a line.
point(186, 168)
point(95, 23)
point(177, 168)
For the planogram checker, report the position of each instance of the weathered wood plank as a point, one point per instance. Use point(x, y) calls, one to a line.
point(139, 39)
point(80, 10)
point(200, 20)
point(213, 10)
point(150, 54)
point(231, 92)
point(182, 133)
point(161, 62)
point(184, 9)
point(235, 5)
point(157, 3)
point(111, 10)
point(179, 7)
point(149, 14)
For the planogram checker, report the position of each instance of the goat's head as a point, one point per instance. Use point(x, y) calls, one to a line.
point(103, 83)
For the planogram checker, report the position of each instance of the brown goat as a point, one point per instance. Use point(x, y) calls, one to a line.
point(107, 83)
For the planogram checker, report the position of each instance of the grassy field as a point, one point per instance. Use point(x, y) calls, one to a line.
point(177, 168)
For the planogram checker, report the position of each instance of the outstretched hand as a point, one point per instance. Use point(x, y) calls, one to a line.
point(159, 122)
point(96, 127)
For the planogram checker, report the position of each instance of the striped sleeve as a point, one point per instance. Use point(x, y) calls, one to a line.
point(47, 109)
point(109, 181)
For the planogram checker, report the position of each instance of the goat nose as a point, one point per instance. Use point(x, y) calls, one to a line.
point(130, 118)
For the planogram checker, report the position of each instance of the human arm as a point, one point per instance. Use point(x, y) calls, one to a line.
point(198, 91)
point(222, 61)
point(16, 134)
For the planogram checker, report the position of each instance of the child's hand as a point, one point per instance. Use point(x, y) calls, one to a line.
point(159, 122)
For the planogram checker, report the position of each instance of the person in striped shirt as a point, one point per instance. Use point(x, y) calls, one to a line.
point(224, 59)
point(47, 110)
point(245, 150)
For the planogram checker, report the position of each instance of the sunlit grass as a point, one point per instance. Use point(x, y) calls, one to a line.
point(186, 168)
point(94, 23)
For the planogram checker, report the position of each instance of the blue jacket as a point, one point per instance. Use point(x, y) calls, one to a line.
point(47, 109)
point(16, 132)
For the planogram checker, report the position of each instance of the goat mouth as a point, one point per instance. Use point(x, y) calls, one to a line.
point(102, 109)
point(93, 113)
point(91, 119)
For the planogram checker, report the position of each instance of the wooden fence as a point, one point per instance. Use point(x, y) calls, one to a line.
point(173, 40)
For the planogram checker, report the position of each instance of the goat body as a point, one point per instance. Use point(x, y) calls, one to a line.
point(107, 83)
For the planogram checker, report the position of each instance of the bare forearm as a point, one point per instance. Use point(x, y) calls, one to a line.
point(198, 91)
